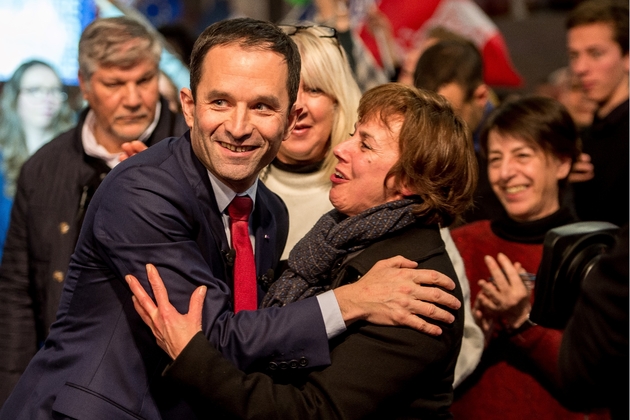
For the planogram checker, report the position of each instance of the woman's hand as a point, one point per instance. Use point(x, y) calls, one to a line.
point(505, 297)
point(172, 330)
point(484, 320)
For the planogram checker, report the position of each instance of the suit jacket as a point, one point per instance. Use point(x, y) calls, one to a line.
point(54, 188)
point(100, 361)
point(376, 372)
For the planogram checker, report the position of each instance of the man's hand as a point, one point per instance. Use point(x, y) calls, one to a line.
point(392, 293)
point(506, 296)
point(131, 148)
point(172, 330)
point(582, 169)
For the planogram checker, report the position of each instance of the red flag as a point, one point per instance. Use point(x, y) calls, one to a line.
point(410, 20)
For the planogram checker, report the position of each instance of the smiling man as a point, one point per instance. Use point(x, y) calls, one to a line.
point(177, 205)
point(597, 42)
point(118, 67)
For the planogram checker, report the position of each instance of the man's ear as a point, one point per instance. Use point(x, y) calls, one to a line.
point(188, 106)
point(292, 118)
point(83, 84)
point(480, 95)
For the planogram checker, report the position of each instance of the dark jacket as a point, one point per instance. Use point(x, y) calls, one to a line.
point(605, 197)
point(54, 189)
point(377, 372)
point(100, 361)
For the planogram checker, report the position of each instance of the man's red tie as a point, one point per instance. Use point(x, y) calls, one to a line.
point(245, 288)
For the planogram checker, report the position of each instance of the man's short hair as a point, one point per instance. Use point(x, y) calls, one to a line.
point(448, 62)
point(247, 33)
point(612, 12)
point(118, 41)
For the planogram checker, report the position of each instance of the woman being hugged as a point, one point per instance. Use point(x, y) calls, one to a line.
point(301, 174)
point(328, 98)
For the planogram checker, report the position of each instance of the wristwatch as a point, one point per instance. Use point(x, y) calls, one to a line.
point(522, 328)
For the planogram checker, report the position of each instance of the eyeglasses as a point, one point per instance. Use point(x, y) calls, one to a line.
point(324, 32)
point(40, 92)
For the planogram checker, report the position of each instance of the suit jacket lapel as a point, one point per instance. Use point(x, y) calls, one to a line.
point(264, 229)
point(211, 223)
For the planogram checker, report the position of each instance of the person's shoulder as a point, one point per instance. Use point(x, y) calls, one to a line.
point(471, 230)
point(66, 146)
point(270, 198)
point(159, 167)
point(170, 124)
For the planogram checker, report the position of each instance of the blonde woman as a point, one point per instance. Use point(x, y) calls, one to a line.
point(328, 97)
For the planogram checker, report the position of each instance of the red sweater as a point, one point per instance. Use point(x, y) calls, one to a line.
point(515, 374)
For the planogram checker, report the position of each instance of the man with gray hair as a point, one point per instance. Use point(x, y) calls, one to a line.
point(118, 77)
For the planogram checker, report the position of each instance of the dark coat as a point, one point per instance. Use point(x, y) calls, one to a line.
point(605, 197)
point(53, 191)
point(377, 371)
point(100, 361)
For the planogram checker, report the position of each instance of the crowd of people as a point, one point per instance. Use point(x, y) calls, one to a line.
point(286, 239)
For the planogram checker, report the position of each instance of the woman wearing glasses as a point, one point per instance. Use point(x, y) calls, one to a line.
point(328, 97)
point(33, 110)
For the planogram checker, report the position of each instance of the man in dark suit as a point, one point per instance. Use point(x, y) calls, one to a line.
point(167, 205)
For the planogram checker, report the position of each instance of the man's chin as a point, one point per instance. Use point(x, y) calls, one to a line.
point(130, 134)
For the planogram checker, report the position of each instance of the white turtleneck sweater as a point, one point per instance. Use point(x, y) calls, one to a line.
point(306, 197)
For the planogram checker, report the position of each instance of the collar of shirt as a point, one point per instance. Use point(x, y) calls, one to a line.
point(224, 196)
point(94, 149)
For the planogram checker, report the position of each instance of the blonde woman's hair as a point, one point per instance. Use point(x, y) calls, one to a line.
point(325, 67)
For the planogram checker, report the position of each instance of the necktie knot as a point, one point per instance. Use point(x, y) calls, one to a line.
point(240, 208)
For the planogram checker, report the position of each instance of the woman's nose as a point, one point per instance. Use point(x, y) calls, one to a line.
point(507, 169)
point(341, 150)
point(300, 103)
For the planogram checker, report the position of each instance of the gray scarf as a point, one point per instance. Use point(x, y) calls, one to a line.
point(312, 260)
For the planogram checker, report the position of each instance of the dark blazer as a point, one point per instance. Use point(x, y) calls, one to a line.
point(100, 361)
point(377, 372)
point(54, 189)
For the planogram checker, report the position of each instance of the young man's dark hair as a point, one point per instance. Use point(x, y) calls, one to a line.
point(603, 11)
point(447, 62)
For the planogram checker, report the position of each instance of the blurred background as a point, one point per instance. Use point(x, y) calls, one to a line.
point(531, 43)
